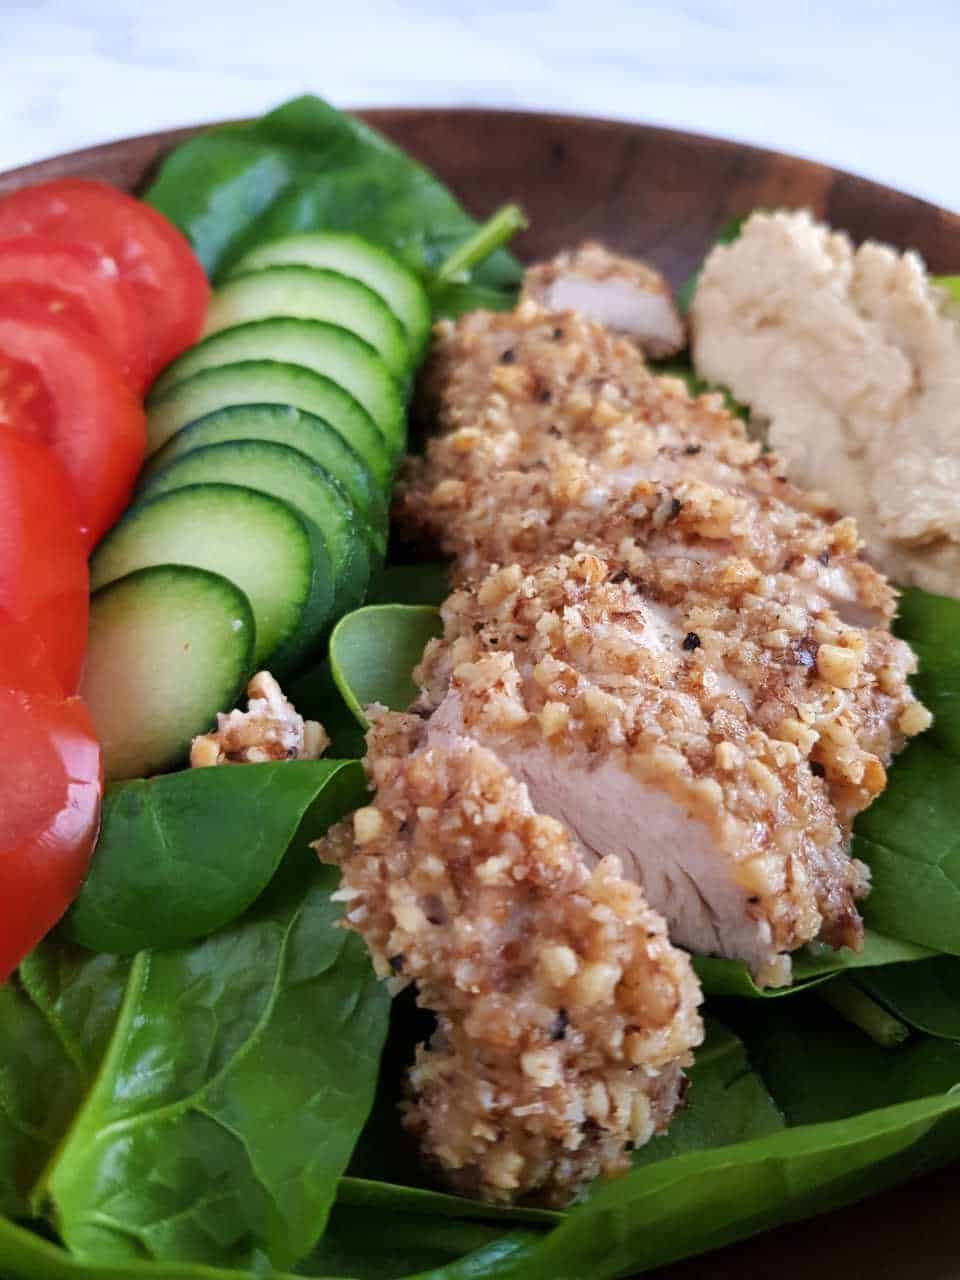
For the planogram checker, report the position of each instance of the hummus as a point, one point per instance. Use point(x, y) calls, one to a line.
point(852, 360)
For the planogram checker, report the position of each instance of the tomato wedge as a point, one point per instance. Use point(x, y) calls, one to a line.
point(81, 285)
point(148, 250)
point(43, 567)
point(59, 387)
point(50, 790)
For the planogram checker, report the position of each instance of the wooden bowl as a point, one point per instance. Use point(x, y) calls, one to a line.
point(662, 195)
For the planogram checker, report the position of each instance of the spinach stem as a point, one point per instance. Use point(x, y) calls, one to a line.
point(492, 235)
point(852, 1003)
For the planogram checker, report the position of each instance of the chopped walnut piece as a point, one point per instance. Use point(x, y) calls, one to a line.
point(269, 729)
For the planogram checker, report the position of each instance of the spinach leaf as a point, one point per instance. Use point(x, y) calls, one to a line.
point(199, 846)
point(373, 652)
point(304, 167)
point(931, 626)
point(238, 1076)
point(503, 1257)
point(727, 1102)
point(374, 1196)
point(927, 995)
point(427, 583)
point(707, 1199)
point(726, 235)
point(820, 1068)
point(910, 838)
point(389, 1246)
point(27, 1256)
point(55, 1018)
point(951, 284)
point(816, 963)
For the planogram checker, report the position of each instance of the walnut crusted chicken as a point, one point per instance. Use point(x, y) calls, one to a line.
point(622, 293)
point(269, 729)
point(554, 431)
point(659, 722)
point(555, 437)
point(564, 1014)
point(670, 667)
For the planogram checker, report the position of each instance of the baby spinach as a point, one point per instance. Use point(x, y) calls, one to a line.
point(816, 963)
point(388, 1246)
point(238, 1075)
point(931, 626)
point(706, 1199)
point(727, 1102)
point(306, 166)
point(199, 846)
point(56, 1015)
point(26, 1256)
point(910, 838)
point(426, 583)
point(373, 652)
point(927, 995)
point(820, 1068)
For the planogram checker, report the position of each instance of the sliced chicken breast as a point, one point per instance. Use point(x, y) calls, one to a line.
point(633, 719)
point(624, 294)
point(564, 1014)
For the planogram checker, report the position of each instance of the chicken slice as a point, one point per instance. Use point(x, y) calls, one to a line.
point(553, 430)
point(622, 293)
point(573, 444)
point(642, 735)
point(564, 1014)
point(853, 358)
point(270, 729)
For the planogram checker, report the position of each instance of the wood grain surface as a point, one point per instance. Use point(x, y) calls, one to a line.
point(663, 195)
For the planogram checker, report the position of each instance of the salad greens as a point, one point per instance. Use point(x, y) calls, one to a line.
point(306, 166)
point(373, 652)
point(237, 1076)
point(910, 838)
point(56, 1017)
point(209, 842)
point(209, 1091)
point(926, 996)
point(931, 626)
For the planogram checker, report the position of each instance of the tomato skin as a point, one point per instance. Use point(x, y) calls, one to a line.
point(25, 660)
point(44, 583)
point(148, 250)
point(79, 406)
point(51, 784)
point(81, 285)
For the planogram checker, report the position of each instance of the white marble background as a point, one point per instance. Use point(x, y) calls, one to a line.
point(867, 86)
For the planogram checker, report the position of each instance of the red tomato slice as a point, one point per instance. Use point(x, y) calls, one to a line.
point(149, 252)
point(83, 286)
point(25, 660)
point(58, 386)
point(50, 788)
point(43, 566)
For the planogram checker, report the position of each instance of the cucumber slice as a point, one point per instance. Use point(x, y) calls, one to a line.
point(311, 294)
point(256, 541)
point(292, 477)
point(169, 647)
point(325, 348)
point(269, 382)
point(353, 256)
point(283, 424)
